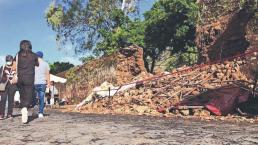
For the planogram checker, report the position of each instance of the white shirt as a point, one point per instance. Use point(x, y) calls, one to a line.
point(41, 72)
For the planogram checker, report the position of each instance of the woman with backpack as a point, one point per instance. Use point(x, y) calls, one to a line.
point(8, 87)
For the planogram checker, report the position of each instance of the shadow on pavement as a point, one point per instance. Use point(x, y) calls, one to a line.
point(33, 117)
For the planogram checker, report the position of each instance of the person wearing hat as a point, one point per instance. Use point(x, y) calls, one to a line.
point(7, 77)
point(26, 63)
point(42, 81)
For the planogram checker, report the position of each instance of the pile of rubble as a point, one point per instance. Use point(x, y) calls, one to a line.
point(150, 95)
point(121, 67)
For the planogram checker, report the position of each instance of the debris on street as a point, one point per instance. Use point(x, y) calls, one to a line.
point(216, 83)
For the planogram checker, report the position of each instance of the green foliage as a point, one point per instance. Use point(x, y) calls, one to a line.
point(187, 58)
point(58, 67)
point(126, 32)
point(169, 24)
point(55, 16)
point(102, 27)
point(80, 21)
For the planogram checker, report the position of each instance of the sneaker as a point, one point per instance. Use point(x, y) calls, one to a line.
point(24, 112)
point(41, 115)
point(9, 116)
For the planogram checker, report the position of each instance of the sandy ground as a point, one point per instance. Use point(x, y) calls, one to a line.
point(60, 128)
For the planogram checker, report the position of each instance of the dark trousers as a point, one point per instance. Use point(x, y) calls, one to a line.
point(26, 89)
point(8, 93)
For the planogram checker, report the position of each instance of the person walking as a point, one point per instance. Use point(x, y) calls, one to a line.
point(53, 93)
point(42, 81)
point(26, 63)
point(8, 75)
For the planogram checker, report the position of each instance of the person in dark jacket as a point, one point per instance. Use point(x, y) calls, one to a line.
point(7, 75)
point(26, 62)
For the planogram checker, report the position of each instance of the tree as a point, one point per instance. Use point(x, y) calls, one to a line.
point(58, 67)
point(180, 59)
point(170, 24)
point(80, 21)
point(107, 26)
point(125, 33)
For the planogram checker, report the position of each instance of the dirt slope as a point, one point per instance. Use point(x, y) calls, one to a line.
point(226, 28)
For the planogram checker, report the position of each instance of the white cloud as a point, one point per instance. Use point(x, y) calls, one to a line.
point(72, 60)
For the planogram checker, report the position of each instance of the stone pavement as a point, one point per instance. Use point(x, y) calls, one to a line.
point(82, 129)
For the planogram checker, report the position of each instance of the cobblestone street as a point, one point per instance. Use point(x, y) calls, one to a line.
point(73, 128)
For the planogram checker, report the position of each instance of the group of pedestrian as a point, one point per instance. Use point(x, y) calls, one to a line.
point(28, 73)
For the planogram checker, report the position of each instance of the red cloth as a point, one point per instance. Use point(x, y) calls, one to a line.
point(213, 109)
point(221, 101)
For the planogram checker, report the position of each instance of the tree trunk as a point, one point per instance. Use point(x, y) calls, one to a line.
point(153, 64)
point(146, 63)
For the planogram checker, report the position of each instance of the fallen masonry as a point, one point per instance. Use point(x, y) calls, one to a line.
point(122, 67)
point(172, 91)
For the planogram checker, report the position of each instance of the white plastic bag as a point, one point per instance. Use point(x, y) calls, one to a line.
point(52, 101)
point(17, 97)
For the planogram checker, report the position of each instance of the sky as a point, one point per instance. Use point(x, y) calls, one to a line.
point(25, 20)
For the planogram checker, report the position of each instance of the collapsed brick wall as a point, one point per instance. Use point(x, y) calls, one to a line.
point(171, 89)
point(118, 68)
point(225, 29)
point(130, 65)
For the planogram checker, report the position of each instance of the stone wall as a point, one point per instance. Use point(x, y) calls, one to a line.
point(121, 67)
